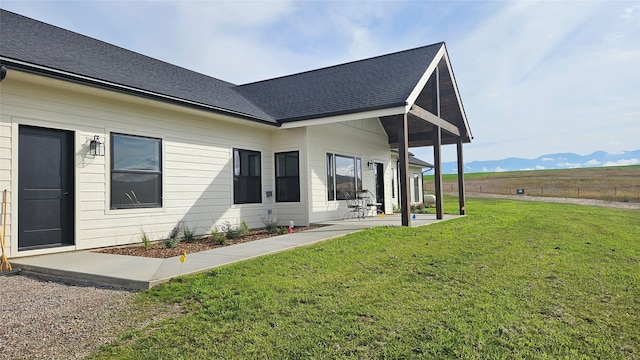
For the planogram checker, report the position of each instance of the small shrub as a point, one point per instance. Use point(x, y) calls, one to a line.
point(280, 230)
point(144, 237)
point(176, 229)
point(188, 234)
point(217, 237)
point(234, 231)
point(270, 224)
point(396, 209)
point(171, 242)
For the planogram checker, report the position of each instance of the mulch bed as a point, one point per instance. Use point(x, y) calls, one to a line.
point(158, 250)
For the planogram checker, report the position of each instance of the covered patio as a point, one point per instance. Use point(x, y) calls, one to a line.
point(434, 116)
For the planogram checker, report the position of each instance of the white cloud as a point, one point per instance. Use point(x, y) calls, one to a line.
point(592, 162)
point(629, 13)
point(623, 162)
point(547, 159)
point(568, 165)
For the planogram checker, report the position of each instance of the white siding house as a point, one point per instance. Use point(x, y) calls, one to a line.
point(184, 148)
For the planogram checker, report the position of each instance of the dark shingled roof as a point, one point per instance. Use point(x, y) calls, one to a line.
point(376, 83)
point(38, 43)
point(415, 161)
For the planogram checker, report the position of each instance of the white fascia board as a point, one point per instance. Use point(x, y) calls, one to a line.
point(345, 117)
point(425, 78)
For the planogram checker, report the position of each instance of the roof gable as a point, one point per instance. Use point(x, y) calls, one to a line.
point(434, 103)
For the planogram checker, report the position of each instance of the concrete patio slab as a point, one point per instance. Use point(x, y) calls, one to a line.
point(139, 273)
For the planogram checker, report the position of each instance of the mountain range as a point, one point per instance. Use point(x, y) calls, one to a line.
point(549, 161)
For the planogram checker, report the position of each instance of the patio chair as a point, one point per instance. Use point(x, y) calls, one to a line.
point(371, 207)
point(355, 208)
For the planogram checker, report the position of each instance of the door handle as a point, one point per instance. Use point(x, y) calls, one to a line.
point(65, 193)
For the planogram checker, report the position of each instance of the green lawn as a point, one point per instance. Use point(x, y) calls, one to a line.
point(511, 280)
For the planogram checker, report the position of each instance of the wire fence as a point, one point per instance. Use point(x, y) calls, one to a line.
point(615, 193)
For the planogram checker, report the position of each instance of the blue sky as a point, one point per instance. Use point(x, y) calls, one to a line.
point(535, 77)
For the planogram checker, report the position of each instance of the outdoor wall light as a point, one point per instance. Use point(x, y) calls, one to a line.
point(3, 72)
point(96, 147)
point(371, 165)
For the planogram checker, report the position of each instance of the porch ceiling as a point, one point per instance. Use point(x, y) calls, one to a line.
point(420, 131)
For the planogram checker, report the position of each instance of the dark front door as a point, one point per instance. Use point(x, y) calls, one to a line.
point(45, 188)
point(380, 186)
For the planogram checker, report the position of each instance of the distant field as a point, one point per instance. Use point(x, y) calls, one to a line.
point(619, 183)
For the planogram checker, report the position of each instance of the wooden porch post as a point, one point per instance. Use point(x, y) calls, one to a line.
point(403, 159)
point(437, 144)
point(437, 166)
point(461, 199)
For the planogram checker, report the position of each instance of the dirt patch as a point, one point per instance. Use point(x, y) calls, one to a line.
point(160, 251)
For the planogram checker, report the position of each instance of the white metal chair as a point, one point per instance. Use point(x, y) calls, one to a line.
point(355, 208)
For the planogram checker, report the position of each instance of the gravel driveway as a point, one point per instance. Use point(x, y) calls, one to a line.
point(49, 320)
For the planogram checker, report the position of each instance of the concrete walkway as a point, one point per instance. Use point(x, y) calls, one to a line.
point(139, 273)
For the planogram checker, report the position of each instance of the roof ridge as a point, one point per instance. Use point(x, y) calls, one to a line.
point(341, 64)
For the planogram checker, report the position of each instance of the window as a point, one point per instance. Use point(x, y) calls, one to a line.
point(344, 177)
point(331, 188)
point(136, 172)
point(287, 177)
point(247, 180)
point(416, 188)
point(358, 174)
